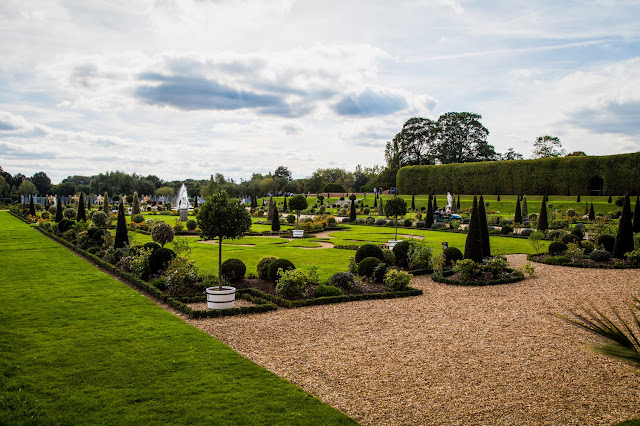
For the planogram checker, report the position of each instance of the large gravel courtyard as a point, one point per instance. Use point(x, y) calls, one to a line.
point(455, 355)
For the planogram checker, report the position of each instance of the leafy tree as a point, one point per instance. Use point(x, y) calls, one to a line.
point(165, 191)
point(275, 221)
point(352, 212)
point(297, 203)
point(547, 146)
point(636, 215)
point(511, 155)
point(122, 236)
point(624, 238)
point(135, 206)
point(395, 207)
point(462, 139)
point(484, 230)
point(146, 187)
point(221, 217)
point(82, 215)
point(42, 183)
point(416, 144)
point(518, 216)
point(543, 220)
point(162, 233)
point(473, 244)
point(4, 186)
point(27, 188)
point(282, 172)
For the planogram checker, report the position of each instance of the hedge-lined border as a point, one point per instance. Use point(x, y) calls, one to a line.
point(552, 176)
point(519, 276)
point(534, 258)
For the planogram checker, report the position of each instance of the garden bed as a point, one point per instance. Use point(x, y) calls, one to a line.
point(482, 279)
point(560, 260)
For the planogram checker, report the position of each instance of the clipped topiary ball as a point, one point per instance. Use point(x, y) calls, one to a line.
point(191, 224)
point(151, 246)
point(263, 266)
point(607, 242)
point(571, 238)
point(506, 229)
point(389, 257)
point(159, 259)
point(369, 250)
point(452, 255)
point(283, 264)
point(137, 218)
point(233, 270)
point(327, 291)
point(401, 250)
point(526, 232)
point(600, 256)
point(557, 247)
point(344, 280)
point(578, 232)
point(372, 267)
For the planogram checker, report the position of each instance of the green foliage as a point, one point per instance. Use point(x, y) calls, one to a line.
point(371, 267)
point(557, 247)
point(181, 277)
point(419, 255)
point(100, 219)
point(139, 263)
point(401, 251)
point(389, 257)
point(122, 236)
point(333, 187)
point(633, 257)
point(624, 237)
point(327, 291)
point(496, 265)
point(59, 215)
point(162, 233)
point(636, 216)
point(277, 266)
point(70, 213)
point(192, 224)
point(546, 175)
point(543, 220)
point(506, 229)
point(473, 245)
point(397, 280)
point(369, 250)
point(600, 256)
point(275, 220)
point(438, 262)
point(159, 259)
point(467, 269)
point(574, 252)
point(452, 255)
point(294, 282)
point(570, 238)
point(135, 206)
point(606, 241)
point(263, 266)
point(344, 280)
point(233, 270)
point(291, 219)
point(529, 269)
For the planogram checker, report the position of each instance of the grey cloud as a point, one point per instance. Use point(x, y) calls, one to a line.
point(370, 103)
point(612, 118)
point(196, 93)
point(7, 126)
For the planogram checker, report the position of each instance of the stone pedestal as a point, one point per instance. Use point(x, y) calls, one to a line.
point(183, 215)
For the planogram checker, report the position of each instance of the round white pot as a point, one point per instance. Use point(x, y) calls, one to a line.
point(392, 243)
point(220, 299)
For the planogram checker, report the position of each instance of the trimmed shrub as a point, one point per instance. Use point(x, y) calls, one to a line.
point(371, 267)
point(557, 260)
point(137, 218)
point(397, 280)
point(624, 237)
point(162, 233)
point(389, 257)
point(191, 224)
point(100, 219)
point(587, 246)
point(506, 229)
point(369, 250)
point(578, 231)
point(181, 277)
point(526, 232)
point(344, 280)
point(69, 213)
point(570, 238)
point(381, 222)
point(452, 255)
point(557, 247)
point(284, 264)
point(233, 270)
point(294, 282)
point(327, 291)
point(63, 225)
point(600, 256)
point(370, 220)
point(407, 223)
point(263, 266)
point(159, 259)
point(438, 225)
point(606, 241)
point(401, 251)
point(420, 224)
point(151, 246)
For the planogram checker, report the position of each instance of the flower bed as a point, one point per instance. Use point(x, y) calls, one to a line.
point(482, 279)
point(584, 262)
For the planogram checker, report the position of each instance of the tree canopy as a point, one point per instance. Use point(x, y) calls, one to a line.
point(547, 146)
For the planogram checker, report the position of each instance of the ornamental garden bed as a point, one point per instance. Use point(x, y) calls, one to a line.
point(582, 262)
point(483, 278)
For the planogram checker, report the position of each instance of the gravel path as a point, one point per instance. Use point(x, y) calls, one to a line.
point(455, 355)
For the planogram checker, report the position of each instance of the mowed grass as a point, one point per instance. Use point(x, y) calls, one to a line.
point(79, 347)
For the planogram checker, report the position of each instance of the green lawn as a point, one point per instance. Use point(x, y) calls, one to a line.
point(79, 347)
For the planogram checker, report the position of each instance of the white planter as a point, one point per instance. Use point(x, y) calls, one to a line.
point(298, 233)
point(220, 299)
point(392, 243)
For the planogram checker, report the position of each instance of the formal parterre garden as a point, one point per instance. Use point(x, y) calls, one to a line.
point(355, 248)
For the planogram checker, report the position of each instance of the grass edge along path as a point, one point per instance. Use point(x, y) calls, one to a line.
point(79, 347)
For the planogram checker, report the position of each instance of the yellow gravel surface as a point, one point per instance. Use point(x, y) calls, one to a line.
point(455, 355)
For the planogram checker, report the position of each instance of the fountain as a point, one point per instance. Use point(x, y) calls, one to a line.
point(182, 203)
point(449, 203)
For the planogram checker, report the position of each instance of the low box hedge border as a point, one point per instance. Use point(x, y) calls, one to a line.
point(519, 276)
point(537, 258)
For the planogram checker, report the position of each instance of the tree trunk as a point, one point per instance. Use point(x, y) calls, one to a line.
point(219, 263)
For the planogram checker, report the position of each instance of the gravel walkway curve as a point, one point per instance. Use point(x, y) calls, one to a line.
point(455, 355)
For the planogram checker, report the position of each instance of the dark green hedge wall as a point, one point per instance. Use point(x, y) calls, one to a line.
point(553, 176)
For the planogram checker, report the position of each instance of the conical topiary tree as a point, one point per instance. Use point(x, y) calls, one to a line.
point(105, 204)
point(82, 215)
point(89, 202)
point(518, 216)
point(458, 204)
point(609, 200)
point(381, 207)
point(275, 221)
point(429, 216)
point(498, 197)
point(484, 230)
point(636, 215)
point(413, 202)
point(122, 236)
point(58, 209)
point(352, 212)
point(473, 244)
point(525, 209)
point(284, 207)
point(375, 201)
point(592, 213)
point(578, 199)
point(135, 205)
point(543, 221)
point(270, 209)
point(435, 204)
point(624, 238)
point(32, 207)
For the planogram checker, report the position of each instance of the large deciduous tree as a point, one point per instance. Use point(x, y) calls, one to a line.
point(547, 146)
point(463, 139)
point(42, 183)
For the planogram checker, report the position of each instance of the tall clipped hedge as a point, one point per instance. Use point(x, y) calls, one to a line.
point(554, 176)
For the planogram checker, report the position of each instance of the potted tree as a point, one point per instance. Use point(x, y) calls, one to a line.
point(297, 203)
point(395, 207)
point(220, 218)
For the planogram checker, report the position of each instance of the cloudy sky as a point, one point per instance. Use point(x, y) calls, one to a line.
point(186, 89)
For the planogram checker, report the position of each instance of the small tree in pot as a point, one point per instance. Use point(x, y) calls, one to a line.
point(220, 218)
point(297, 203)
point(396, 207)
